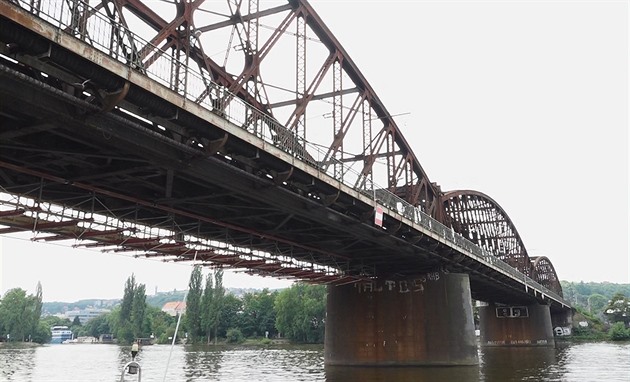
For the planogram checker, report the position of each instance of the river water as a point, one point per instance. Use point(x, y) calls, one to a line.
point(576, 362)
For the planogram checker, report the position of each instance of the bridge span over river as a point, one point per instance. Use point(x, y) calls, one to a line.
point(123, 130)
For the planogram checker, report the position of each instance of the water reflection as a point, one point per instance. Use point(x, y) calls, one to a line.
point(588, 362)
point(17, 363)
point(202, 362)
point(402, 374)
point(501, 364)
point(242, 363)
point(124, 354)
point(582, 362)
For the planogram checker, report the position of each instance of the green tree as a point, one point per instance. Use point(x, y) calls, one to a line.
point(42, 333)
point(138, 308)
point(618, 309)
point(596, 303)
point(619, 332)
point(17, 312)
point(112, 319)
point(97, 326)
point(3, 318)
point(301, 311)
point(234, 336)
point(259, 316)
point(583, 289)
point(76, 327)
point(229, 316)
point(217, 302)
point(580, 294)
point(126, 304)
point(37, 307)
point(159, 322)
point(207, 316)
point(127, 321)
point(193, 306)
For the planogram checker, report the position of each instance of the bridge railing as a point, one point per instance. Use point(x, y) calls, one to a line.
point(96, 28)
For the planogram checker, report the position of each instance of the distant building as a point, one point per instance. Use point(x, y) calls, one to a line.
point(85, 315)
point(106, 338)
point(174, 307)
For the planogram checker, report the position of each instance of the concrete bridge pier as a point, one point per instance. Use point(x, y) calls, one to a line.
point(562, 322)
point(525, 325)
point(424, 320)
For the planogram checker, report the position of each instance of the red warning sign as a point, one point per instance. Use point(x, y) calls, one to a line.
point(378, 216)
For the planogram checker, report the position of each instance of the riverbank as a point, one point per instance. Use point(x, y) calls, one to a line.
point(19, 344)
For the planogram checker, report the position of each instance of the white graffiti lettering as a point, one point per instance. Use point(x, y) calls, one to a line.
point(520, 342)
point(416, 285)
point(403, 288)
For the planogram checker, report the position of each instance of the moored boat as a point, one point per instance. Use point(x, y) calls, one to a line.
point(60, 333)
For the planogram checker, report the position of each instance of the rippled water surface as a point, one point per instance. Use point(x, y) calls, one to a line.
point(578, 362)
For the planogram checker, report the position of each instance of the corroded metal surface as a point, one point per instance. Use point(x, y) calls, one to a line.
point(480, 219)
point(424, 320)
point(119, 111)
point(516, 326)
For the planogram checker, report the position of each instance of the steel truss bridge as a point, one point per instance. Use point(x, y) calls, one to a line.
point(237, 134)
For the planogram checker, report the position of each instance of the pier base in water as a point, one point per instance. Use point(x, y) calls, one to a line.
point(528, 325)
point(425, 320)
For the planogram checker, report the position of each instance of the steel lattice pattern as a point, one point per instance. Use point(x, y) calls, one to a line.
point(270, 68)
point(481, 220)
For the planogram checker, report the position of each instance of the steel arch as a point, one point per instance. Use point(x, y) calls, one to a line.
point(480, 219)
point(355, 128)
point(545, 274)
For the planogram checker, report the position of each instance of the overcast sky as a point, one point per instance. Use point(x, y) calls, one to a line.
point(526, 101)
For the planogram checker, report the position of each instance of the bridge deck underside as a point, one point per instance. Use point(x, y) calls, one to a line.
point(58, 147)
point(59, 152)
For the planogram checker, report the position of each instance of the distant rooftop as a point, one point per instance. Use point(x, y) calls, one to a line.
point(174, 307)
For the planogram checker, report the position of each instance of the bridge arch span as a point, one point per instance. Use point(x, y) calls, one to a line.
point(480, 219)
point(545, 274)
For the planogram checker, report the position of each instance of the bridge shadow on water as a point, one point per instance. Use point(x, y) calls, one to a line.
point(517, 363)
point(402, 374)
point(496, 365)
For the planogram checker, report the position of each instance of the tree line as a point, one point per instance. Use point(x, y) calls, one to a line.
point(212, 315)
point(592, 296)
point(605, 305)
point(296, 313)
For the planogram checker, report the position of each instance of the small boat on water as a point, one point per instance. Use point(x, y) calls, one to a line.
point(60, 333)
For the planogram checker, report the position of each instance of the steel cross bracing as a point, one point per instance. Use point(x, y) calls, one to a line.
point(234, 60)
point(249, 49)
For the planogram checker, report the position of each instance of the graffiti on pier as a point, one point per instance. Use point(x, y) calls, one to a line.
point(397, 286)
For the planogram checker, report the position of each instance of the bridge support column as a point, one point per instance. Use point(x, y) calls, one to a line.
point(425, 320)
point(562, 322)
point(528, 325)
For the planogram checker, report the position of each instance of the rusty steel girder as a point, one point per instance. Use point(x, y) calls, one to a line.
point(280, 57)
point(545, 274)
point(480, 219)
